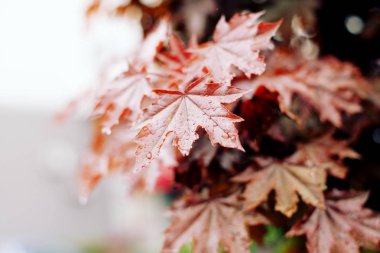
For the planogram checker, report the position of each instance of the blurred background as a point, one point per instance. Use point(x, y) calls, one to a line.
point(51, 51)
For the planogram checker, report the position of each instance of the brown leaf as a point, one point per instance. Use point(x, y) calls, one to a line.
point(288, 181)
point(342, 227)
point(208, 225)
point(320, 152)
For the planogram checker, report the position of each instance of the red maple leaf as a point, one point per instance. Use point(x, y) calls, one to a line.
point(236, 43)
point(182, 113)
point(172, 64)
point(121, 98)
point(331, 87)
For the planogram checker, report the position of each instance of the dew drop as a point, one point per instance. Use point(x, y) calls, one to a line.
point(106, 131)
point(149, 155)
point(225, 135)
point(138, 169)
point(233, 138)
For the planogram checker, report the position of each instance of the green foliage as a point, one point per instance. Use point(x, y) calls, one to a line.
point(187, 248)
point(94, 248)
point(254, 247)
point(275, 240)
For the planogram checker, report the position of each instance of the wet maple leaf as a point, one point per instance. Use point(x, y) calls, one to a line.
point(342, 227)
point(122, 97)
point(236, 43)
point(287, 180)
point(209, 225)
point(321, 152)
point(182, 113)
point(331, 87)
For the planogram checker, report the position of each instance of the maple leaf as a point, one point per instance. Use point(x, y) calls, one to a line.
point(122, 97)
point(236, 43)
point(328, 85)
point(342, 227)
point(320, 152)
point(182, 113)
point(172, 63)
point(210, 224)
point(203, 152)
point(177, 56)
point(287, 180)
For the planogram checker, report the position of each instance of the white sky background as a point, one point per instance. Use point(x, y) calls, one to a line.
point(48, 57)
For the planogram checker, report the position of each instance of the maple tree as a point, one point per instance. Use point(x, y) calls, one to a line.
point(200, 116)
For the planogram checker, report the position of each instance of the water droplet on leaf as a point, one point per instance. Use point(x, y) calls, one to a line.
point(106, 131)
